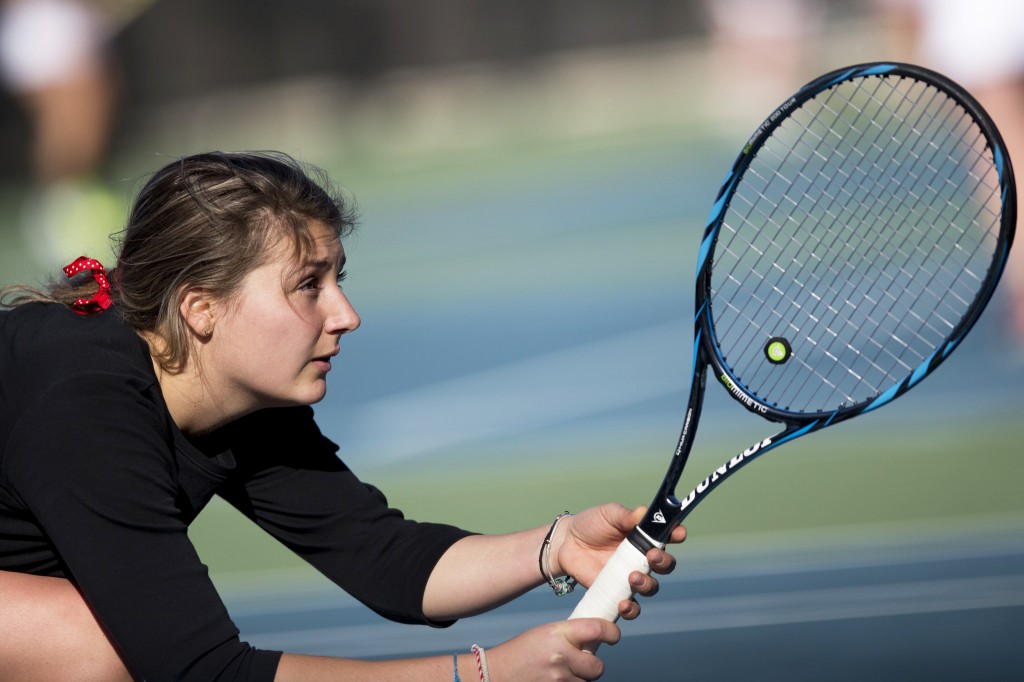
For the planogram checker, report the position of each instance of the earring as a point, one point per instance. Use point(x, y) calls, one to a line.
point(207, 331)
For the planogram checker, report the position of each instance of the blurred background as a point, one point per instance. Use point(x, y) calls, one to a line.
point(533, 179)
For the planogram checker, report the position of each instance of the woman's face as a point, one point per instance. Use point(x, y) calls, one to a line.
point(273, 342)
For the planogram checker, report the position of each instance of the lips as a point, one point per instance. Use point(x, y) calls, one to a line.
point(323, 362)
point(326, 357)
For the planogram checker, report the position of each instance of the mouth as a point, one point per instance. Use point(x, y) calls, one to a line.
point(323, 362)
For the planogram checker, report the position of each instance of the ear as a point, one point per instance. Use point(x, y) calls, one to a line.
point(197, 308)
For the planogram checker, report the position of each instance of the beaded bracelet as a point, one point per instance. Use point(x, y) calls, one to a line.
point(560, 586)
point(455, 667)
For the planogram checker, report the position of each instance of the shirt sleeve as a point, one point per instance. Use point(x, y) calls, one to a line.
point(92, 463)
point(295, 487)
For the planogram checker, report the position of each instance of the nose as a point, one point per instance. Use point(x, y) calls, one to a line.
point(342, 318)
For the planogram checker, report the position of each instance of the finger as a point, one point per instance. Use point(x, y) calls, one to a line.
point(637, 515)
point(586, 666)
point(628, 609)
point(660, 561)
point(678, 534)
point(622, 518)
point(643, 584)
point(587, 633)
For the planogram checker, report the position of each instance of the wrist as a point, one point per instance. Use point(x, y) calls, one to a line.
point(558, 538)
point(547, 560)
point(463, 669)
point(472, 666)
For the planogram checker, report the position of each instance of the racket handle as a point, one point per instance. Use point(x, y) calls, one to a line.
point(612, 583)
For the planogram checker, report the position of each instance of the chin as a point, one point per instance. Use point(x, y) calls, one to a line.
point(308, 395)
point(316, 394)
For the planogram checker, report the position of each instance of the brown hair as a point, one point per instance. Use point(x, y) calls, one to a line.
point(204, 221)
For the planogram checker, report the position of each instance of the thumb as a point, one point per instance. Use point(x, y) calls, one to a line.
point(636, 516)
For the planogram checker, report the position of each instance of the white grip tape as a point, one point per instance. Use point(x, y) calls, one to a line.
point(612, 584)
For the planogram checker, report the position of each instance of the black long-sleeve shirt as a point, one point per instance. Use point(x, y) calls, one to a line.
point(98, 485)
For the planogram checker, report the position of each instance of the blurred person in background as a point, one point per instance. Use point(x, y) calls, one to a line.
point(55, 60)
point(188, 370)
point(759, 49)
point(980, 45)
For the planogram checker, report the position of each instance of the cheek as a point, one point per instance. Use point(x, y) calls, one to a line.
point(258, 340)
point(285, 336)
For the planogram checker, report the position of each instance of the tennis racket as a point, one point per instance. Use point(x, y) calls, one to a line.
point(854, 243)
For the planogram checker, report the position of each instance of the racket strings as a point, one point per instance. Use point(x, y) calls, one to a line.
point(942, 129)
point(857, 253)
point(910, 241)
point(900, 249)
point(861, 232)
point(887, 195)
point(854, 251)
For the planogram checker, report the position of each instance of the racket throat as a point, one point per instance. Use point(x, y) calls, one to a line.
point(666, 511)
point(664, 514)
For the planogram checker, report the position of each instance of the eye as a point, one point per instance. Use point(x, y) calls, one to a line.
point(309, 284)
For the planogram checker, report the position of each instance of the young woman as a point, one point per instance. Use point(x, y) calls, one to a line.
point(129, 399)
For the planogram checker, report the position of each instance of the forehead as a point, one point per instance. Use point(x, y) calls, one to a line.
point(318, 244)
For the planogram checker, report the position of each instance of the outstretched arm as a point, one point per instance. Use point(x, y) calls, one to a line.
point(549, 652)
point(48, 632)
point(481, 572)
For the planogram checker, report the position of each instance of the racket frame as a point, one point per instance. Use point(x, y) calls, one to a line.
point(667, 510)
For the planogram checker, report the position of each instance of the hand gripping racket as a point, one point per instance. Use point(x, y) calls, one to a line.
point(853, 244)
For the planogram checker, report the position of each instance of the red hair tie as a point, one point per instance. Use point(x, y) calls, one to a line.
point(100, 301)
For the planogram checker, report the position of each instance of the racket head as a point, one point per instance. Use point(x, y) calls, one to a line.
point(854, 243)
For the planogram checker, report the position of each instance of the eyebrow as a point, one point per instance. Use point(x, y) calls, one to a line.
point(324, 263)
